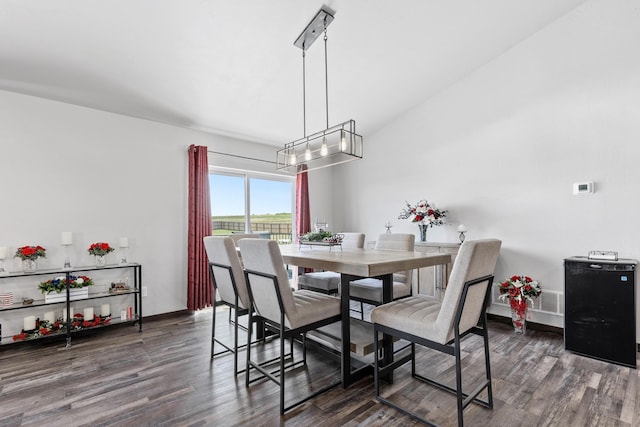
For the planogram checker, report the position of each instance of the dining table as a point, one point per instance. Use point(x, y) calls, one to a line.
point(354, 264)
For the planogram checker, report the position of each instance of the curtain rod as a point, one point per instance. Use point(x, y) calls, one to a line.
point(241, 157)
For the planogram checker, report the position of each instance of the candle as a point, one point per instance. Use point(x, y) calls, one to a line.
point(67, 238)
point(105, 310)
point(88, 313)
point(29, 323)
point(50, 316)
point(123, 315)
point(462, 228)
point(124, 242)
point(64, 313)
point(4, 252)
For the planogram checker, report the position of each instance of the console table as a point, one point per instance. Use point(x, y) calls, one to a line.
point(20, 280)
point(433, 280)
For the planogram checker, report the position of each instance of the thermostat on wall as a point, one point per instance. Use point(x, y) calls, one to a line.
point(583, 187)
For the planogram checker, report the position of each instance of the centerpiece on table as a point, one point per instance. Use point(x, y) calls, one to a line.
point(100, 251)
point(321, 236)
point(53, 288)
point(519, 290)
point(425, 214)
point(29, 256)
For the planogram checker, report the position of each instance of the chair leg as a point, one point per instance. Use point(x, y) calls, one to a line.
point(249, 331)
point(213, 325)
point(235, 342)
point(459, 396)
point(282, 368)
point(487, 364)
point(361, 311)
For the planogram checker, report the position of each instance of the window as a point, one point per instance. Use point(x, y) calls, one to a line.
point(254, 203)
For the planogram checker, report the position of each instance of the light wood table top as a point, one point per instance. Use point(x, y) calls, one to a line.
point(361, 262)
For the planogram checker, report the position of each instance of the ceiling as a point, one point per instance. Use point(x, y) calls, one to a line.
point(230, 67)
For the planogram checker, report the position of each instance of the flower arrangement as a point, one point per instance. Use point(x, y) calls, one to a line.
point(30, 252)
point(79, 322)
point(100, 249)
point(519, 288)
point(59, 284)
point(423, 213)
point(43, 327)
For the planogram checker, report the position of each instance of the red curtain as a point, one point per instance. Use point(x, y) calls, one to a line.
point(199, 286)
point(303, 220)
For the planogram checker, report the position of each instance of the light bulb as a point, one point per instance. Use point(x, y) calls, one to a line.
point(307, 153)
point(324, 150)
point(343, 143)
point(293, 159)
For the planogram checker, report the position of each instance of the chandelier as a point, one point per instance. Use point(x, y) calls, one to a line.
point(333, 145)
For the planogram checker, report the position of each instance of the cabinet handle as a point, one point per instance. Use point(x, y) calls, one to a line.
point(597, 266)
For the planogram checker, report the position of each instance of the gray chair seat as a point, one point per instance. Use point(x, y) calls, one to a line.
point(327, 282)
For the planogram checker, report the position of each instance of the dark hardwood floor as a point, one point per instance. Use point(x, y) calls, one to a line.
point(164, 377)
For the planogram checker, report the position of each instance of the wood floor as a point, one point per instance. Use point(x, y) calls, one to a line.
point(164, 377)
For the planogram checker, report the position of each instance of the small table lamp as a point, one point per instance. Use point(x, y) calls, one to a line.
point(461, 231)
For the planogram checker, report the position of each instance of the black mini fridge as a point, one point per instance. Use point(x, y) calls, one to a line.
point(600, 309)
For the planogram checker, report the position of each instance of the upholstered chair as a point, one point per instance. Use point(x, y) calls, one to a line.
point(289, 314)
point(425, 321)
point(229, 282)
point(369, 290)
point(328, 282)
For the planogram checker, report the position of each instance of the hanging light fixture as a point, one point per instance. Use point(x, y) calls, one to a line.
point(333, 145)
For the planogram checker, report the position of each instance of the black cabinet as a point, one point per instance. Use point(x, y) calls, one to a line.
point(600, 309)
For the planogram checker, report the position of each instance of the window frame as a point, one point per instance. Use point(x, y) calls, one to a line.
point(247, 175)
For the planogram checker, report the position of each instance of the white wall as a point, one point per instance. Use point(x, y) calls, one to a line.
point(501, 150)
point(105, 176)
point(102, 176)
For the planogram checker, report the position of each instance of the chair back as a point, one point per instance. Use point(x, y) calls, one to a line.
point(352, 240)
point(476, 259)
point(398, 242)
point(237, 236)
point(264, 256)
point(222, 250)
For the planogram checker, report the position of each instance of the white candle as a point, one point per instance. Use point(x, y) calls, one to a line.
point(50, 316)
point(124, 242)
point(88, 313)
point(64, 314)
point(29, 323)
point(105, 310)
point(462, 228)
point(67, 238)
point(123, 315)
point(4, 252)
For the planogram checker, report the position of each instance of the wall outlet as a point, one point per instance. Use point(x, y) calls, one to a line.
point(144, 291)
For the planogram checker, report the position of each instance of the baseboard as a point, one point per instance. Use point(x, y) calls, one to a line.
point(530, 325)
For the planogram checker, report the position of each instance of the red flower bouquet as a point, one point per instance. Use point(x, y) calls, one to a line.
point(100, 249)
point(519, 288)
point(424, 213)
point(30, 252)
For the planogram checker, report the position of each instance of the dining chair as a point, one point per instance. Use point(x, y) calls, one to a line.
point(328, 282)
point(237, 236)
point(424, 320)
point(229, 281)
point(369, 290)
point(289, 314)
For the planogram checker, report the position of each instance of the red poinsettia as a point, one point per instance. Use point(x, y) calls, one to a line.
point(30, 252)
point(99, 249)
